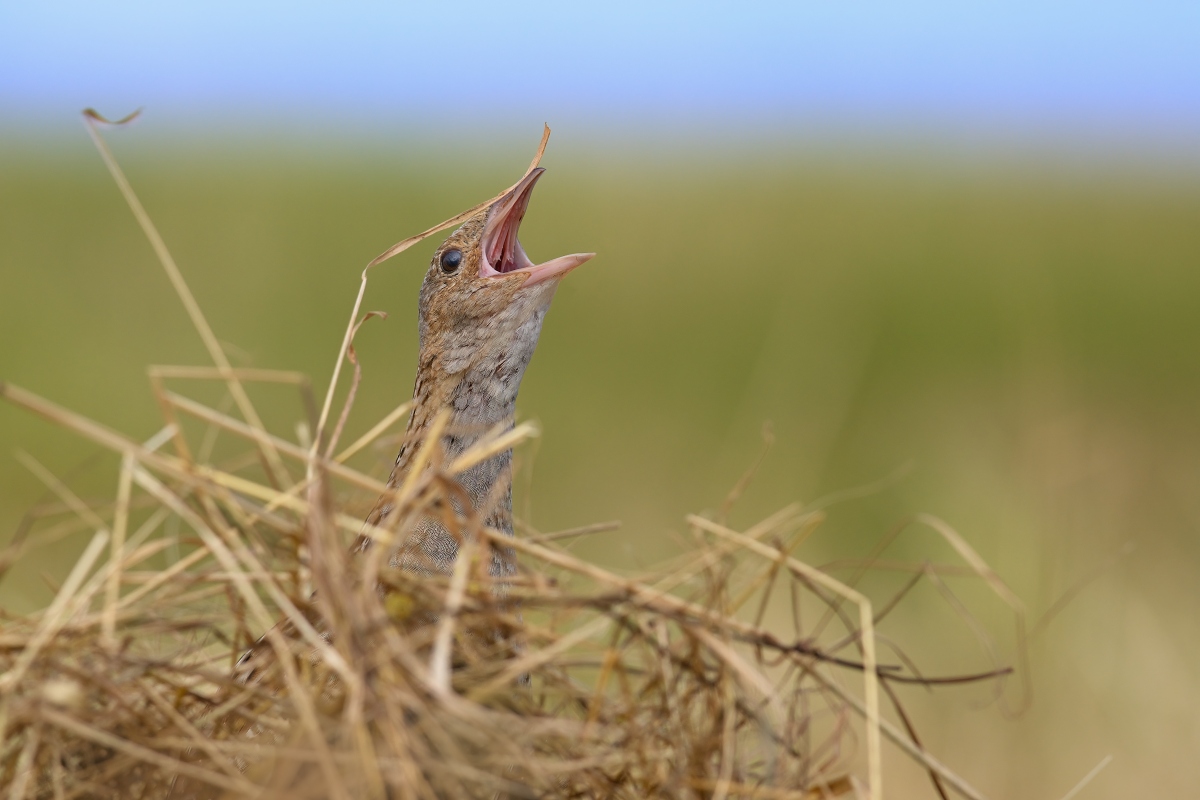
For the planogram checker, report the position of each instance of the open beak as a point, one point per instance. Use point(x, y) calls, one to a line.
point(502, 252)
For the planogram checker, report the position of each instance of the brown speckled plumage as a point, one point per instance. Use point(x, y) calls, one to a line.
point(478, 331)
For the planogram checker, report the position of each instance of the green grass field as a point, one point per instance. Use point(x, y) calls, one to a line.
point(1016, 342)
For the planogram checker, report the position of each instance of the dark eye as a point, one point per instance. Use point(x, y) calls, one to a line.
point(451, 259)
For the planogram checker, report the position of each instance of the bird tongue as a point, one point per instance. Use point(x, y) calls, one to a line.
point(502, 252)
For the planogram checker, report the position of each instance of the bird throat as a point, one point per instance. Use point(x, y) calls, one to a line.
point(480, 394)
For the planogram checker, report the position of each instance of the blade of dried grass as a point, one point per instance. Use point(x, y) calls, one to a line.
point(375, 432)
point(948, 570)
point(668, 673)
point(159, 439)
point(60, 489)
point(768, 793)
point(182, 449)
point(570, 533)
point(253, 374)
point(57, 777)
point(354, 382)
point(208, 477)
point(10, 746)
point(492, 444)
point(968, 554)
point(20, 545)
point(728, 746)
point(120, 522)
point(1086, 779)
point(866, 490)
point(975, 626)
point(611, 656)
point(750, 676)
point(157, 374)
point(1000, 588)
point(368, 760)
point(285, 447)
point(781, 519)
point(431, 444)
point(215, 351)
point(249, 748)
point(919, 754)
point(439, 658)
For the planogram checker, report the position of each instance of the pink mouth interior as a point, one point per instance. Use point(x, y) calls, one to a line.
point(502, 252)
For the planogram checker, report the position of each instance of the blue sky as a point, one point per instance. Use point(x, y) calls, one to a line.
point(1088, 65)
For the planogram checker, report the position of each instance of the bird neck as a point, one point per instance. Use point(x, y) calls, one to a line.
point(478, 402)
point(480, 392)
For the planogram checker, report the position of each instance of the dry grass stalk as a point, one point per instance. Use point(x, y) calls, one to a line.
point(387, 684)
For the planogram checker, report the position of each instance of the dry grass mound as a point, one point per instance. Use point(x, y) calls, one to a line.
point(265, 660)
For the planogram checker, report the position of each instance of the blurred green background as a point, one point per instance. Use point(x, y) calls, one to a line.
point(948, 249)
point(1013, 340)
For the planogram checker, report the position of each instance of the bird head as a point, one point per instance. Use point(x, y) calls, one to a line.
point(482, 292)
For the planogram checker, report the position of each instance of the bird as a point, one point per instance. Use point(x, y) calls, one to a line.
point(480, 312)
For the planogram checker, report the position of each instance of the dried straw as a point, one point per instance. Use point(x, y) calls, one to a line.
point(574, 681)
